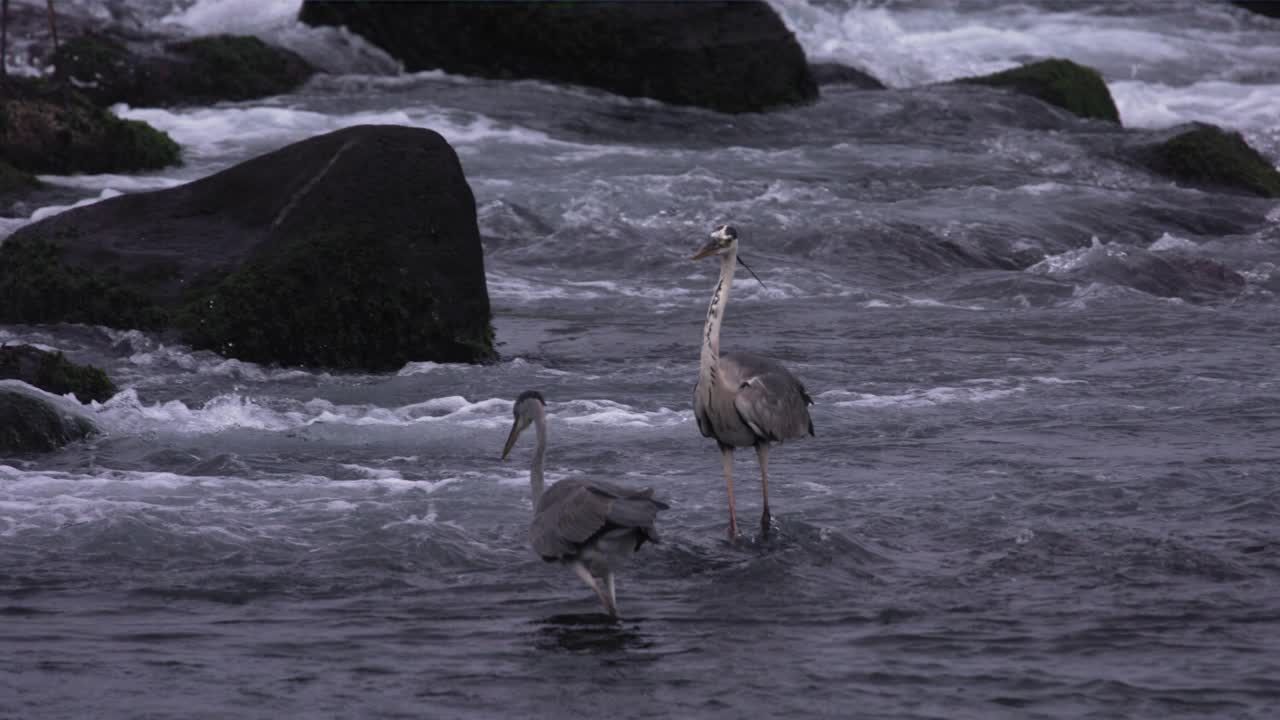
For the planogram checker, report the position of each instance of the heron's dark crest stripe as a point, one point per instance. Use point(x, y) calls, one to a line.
point(527, 394)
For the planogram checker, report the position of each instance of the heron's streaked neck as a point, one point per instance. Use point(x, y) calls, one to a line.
point(535, 473)
point(715, 312)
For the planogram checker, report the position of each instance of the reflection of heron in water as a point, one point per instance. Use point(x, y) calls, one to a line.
point(4, 32)
point(589, 525)
point(743, 399)
point(587, 634)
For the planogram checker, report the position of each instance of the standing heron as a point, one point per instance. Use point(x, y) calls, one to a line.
point(743, 399)
point(591, 526)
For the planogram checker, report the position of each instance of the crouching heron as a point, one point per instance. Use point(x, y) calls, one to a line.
point(589, 525)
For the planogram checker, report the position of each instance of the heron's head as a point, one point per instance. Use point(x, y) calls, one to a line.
point(723, 239)
point(527, 407)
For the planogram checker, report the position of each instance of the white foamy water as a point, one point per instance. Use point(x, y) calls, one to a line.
point(976, 392)
point(1074, 259)
point(9, 225)
point(66, 404)
point(155, 357)
point(609, 413)
point(114, 183)
point(1184, 61)
point(213, 133)
point(126, 413)
point(39, 502)
point(334, 50)
point(1172, 242)
point(234, 16)
point(52, 210)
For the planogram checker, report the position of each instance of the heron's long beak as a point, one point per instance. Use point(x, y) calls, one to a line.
point(516, 427)
point(711, 248)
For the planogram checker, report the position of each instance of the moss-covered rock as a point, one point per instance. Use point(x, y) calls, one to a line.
point(1207, 155)
point(201, 70)
point(356, 249)
point(39, 286)
point(13, 180)
point(52, 372)
point(333, 296)
point(727, 56)
point(31, 422)
point(49, 127)
point(1066, 84)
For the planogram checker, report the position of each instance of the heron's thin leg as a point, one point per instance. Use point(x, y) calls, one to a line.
point(726, 456)
point(762, 455)
point(613, 595)
point(591, 581)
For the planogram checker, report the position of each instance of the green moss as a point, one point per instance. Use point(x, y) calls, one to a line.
point(138, 146)
point(48, 127)
point(31, 424)
point(327, 301)
point(38, 286)
point(235, 67)
point(52, 372)
point(91, 58)
point(15, 180)
point(1063, 83)
point(1210, 155)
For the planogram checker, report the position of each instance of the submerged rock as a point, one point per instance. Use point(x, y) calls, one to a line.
point(727, 56)
point(32, 421)
point(1063, 83)
point(48, 127)
point(831, 73)
point(1198, 279)
point(1207, 155)
point(53, 373)
point(1171, 275)
point(202, 70)
point(356, 249)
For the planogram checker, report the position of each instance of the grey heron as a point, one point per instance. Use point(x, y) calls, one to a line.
point(743, 399)
point(589, 525)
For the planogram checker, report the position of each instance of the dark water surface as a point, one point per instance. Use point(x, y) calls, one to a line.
point(1038, 487)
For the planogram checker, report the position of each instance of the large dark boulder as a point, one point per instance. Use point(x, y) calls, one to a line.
point(49, 127)
point(833, 73)
point(355, 249)
point(1066, 84)
point(199, 71)
point(32, 421)
point(1206, 155)
point(52, 372)
point(727, 56)
point(1269, 8)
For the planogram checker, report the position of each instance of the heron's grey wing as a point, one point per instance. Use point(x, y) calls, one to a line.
point(568, 515)
point(770, 400)
point(609, 489)
point(632, 510)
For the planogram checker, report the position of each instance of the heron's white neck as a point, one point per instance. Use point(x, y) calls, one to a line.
point(535, 473)
point(715, 313)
